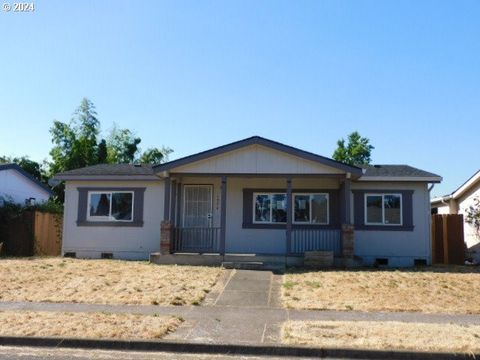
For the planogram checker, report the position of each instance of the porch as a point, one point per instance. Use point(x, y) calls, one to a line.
point(207, 240)
point(213, 220)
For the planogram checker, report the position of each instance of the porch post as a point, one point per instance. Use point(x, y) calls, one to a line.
point(289, 216)
point(223, 215)
point(166, 203)
point(347, 237)
point(178, 202)
point(347, 186)
point(173, 202)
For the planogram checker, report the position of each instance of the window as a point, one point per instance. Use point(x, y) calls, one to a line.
point(270, 208)
point(110, 206)
point(383, 209)
point(310, 208)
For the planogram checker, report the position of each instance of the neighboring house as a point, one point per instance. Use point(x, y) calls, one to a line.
point(456, 203)
point(254, 196)
point(20, 187)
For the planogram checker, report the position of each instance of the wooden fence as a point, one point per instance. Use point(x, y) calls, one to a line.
point(32, 233)
point(448, 246)
point(48, 234)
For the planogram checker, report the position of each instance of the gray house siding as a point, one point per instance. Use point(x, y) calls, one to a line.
point(264, 241)
point(259, 165)
point(123, 242)
point(401, 248)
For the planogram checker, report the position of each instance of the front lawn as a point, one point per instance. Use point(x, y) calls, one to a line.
point(431, 290)
point(104, 281)
point(388, 335)
point(86, 325)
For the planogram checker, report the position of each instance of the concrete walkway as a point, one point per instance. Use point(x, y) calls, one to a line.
point(246, 310)
point(239, 312)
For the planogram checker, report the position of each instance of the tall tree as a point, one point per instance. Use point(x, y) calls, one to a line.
point(155, 155)
point(75, 143)
point(102, 152)
point(356, 152)
point(122, 146)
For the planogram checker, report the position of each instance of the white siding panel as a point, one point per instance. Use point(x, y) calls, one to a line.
point(472, 239)
point(17, 187)
point(443, 210)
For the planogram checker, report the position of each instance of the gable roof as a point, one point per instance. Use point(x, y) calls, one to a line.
point(472, 181)
point(401, 172)
point(16, 167)
point(258, 140)
point(151, 172)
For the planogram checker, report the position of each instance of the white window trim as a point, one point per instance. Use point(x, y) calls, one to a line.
point(270, 195)
point(109, 217)
point(383, 209)
point(310, 209)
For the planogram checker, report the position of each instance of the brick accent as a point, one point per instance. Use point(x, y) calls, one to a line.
point(166, 237)
point(348, 240)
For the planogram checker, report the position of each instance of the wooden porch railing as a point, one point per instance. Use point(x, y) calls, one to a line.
point(316, 240)
point(198, 240)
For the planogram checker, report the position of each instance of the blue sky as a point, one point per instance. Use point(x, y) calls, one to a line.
point(197, 74)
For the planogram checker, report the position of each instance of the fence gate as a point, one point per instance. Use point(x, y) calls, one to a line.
point(32, 233)
point(448, 246)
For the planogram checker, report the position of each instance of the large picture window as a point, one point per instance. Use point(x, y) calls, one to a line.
point(269, 208)
point(110, 206)
point(383, 209)
point(310, 209)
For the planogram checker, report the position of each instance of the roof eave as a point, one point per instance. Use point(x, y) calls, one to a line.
point(428, 179)
point(61, 177)
point(466, 186)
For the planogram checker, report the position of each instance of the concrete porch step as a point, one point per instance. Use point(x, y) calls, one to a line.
point(253, 265)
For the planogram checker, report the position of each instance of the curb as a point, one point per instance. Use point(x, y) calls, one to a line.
point(228, 349)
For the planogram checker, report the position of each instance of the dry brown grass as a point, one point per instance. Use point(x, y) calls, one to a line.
point(104, 281)
point(383, 335)
point(86, 325)
point(431, 290)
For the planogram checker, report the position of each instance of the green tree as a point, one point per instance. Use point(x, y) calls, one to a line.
point(155, 155)
point(75, 143)
point(122, 146)
point(102, 152)
point(356, 152)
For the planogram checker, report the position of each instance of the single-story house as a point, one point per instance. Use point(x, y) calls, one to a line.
point(19, 186)
point(254, 196)
point(457, 203)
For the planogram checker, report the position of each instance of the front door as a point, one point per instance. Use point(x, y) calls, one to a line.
point(198, 233)
point(197, 209)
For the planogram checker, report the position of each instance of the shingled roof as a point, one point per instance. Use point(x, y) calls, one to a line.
point(396, 171)
point(109, 170)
